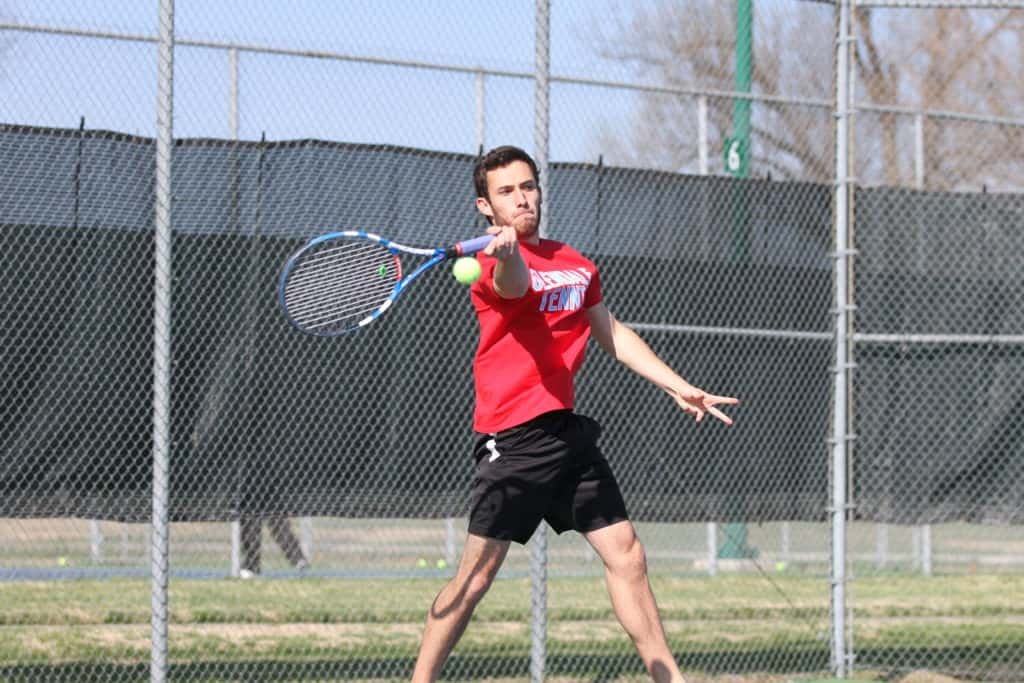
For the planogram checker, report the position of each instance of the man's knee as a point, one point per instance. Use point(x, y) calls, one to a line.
point(463, 591)
point(629, 559)
point(477, 586)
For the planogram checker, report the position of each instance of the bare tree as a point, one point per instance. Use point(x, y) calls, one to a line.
point(692, 47)
point(953, 60)
point(943, 60)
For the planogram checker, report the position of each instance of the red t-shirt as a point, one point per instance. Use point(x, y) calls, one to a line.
point(531, 347)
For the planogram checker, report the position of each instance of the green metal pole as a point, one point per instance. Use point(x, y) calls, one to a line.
point(744, 79)
point(737, 162)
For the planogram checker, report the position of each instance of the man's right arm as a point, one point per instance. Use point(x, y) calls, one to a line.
point(511, 276)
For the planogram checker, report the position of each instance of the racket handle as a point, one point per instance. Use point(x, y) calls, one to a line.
point(467, 247)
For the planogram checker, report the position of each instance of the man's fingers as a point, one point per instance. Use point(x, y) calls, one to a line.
point(691, 407)
point(711, 401)
point(705, 403)
point(504, 243)
point(720, 415)
point(499, 246)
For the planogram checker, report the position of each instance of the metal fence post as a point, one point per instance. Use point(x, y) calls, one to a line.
point(236, 527)
point(539, 544)
point(480, 94)
point(925, 557)
point(840, 369)
point(162, 343)
point(711, 529)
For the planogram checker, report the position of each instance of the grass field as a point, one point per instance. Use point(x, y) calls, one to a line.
point(336, 629)
point(396, 544)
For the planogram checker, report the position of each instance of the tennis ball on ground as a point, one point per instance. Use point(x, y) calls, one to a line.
point(441, 564)
point(466, 270)
point(421, 563)
point(62, 561)
point(780, 566)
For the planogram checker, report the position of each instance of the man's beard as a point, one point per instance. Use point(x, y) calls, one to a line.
point(535, 228)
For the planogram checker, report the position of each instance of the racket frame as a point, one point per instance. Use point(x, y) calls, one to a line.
point(434, 256)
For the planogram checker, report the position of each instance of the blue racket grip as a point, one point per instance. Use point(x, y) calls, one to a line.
point(467, 247)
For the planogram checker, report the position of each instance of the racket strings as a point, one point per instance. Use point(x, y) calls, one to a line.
point(336, 304)
point(332, 272)
point(339, 286)
point(338, 312)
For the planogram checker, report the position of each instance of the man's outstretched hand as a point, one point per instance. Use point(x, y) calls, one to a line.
point(698, 403)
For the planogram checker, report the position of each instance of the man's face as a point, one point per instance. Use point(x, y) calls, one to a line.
point(513, 198)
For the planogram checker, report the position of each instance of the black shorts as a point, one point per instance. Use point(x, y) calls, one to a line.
point(549, 468)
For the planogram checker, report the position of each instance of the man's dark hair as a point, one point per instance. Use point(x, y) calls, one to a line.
point(497, 158)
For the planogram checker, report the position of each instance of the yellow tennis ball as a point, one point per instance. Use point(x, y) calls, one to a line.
point(466, 270)
point(62, 561)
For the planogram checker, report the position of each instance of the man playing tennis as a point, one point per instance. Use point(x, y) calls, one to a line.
point(537, 302)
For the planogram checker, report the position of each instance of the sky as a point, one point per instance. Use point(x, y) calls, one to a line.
point(55, 80)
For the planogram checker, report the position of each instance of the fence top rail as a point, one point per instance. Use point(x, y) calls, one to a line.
point(980, 339)
point(511, 73)
point(858, 337)
point(940, 114)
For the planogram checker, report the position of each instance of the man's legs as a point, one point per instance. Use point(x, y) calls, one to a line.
point(626, 575)
point(250, 529)
point(453, 606)
point(281, 530)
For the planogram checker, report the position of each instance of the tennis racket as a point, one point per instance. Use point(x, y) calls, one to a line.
point(342, 281)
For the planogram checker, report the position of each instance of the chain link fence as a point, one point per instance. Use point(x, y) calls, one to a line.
point(937, 231)
point(317, 490)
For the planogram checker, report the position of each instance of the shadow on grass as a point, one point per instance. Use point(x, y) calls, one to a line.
point(583, 667)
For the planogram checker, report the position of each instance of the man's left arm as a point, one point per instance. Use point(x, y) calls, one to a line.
point(627, 347)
